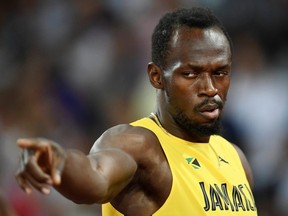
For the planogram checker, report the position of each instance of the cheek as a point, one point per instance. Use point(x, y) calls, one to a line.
point(183, 95)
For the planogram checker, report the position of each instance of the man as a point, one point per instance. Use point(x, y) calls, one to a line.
point(172, 162)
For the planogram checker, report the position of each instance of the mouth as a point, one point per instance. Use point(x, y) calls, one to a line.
point(210, 111)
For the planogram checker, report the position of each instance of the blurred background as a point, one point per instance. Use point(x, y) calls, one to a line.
point(69, 69)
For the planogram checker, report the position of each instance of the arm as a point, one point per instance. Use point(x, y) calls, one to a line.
point(246, 166)
point(99, 177)
point(95, 178)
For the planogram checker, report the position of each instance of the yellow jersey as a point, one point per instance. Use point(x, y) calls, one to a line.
point(208, 178)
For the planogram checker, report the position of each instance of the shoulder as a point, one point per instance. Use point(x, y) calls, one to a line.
point(245, 165)
point(133, 140)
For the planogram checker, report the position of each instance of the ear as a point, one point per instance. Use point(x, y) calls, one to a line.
point(155, 75)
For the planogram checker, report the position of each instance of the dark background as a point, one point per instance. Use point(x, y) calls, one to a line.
point(71, 69)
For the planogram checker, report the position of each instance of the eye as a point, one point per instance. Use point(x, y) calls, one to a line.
point(190, 74)
point(221, 73)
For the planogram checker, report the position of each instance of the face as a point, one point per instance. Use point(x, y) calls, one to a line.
point(197, 78)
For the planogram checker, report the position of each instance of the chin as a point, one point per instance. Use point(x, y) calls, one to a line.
point(208, 129)
point(199, 129)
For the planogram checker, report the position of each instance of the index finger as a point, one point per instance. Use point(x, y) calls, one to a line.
point(32, 143)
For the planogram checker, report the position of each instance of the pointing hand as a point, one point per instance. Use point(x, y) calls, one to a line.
point(41, 164)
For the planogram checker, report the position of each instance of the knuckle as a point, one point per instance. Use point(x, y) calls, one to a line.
point(19, 179)
point(19, 173)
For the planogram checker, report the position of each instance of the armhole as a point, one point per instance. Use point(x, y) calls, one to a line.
point(245, 165)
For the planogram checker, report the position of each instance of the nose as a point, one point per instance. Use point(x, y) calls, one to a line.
point(207, 86)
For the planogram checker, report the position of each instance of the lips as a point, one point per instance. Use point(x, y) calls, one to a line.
point(210, 111)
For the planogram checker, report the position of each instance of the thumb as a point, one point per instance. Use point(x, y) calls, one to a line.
point(56, 177)
point(57, 172)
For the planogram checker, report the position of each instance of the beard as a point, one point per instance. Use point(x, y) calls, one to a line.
point(200, 130)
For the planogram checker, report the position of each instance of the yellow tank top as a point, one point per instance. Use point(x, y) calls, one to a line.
point(208, 178)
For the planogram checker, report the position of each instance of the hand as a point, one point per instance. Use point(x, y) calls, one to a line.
point(41, 164)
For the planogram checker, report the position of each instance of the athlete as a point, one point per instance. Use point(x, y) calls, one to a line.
point(173, 162)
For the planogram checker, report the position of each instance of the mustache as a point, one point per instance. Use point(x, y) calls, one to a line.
point(211, 102)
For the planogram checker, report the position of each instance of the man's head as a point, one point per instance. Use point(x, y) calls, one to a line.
point(191, 70)
point(194, 17)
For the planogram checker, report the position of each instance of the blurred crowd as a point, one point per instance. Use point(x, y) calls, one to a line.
point(72, 68)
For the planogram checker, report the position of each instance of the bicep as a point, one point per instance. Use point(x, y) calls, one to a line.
point(245, 165)
point(116, 167)
point(112, 158)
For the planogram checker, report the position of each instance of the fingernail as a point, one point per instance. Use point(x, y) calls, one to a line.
point(21, 140)
point(45, 190)
point(28, 191)
point(57, 179)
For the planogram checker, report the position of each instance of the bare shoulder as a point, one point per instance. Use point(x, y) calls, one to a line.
point(246, 165)
point(141, 144)
point(151, 183)
point(133, 140)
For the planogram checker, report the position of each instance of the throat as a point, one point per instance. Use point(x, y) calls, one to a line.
point(182, 133)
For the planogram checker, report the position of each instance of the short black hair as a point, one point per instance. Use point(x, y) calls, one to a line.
point(194, 17)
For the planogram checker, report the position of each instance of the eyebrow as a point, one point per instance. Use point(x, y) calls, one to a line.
point(200, 67)
point(224, 66)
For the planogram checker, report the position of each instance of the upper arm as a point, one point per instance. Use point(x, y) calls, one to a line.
point(116, 168)
point(113, 158)
point(245, 165)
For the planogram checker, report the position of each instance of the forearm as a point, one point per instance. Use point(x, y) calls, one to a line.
point(79, 182)
point(96, 178)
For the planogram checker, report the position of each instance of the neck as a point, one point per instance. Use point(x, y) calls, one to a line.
point(173, 129)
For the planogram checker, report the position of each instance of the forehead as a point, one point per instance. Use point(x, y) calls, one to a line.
point(195, 44)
